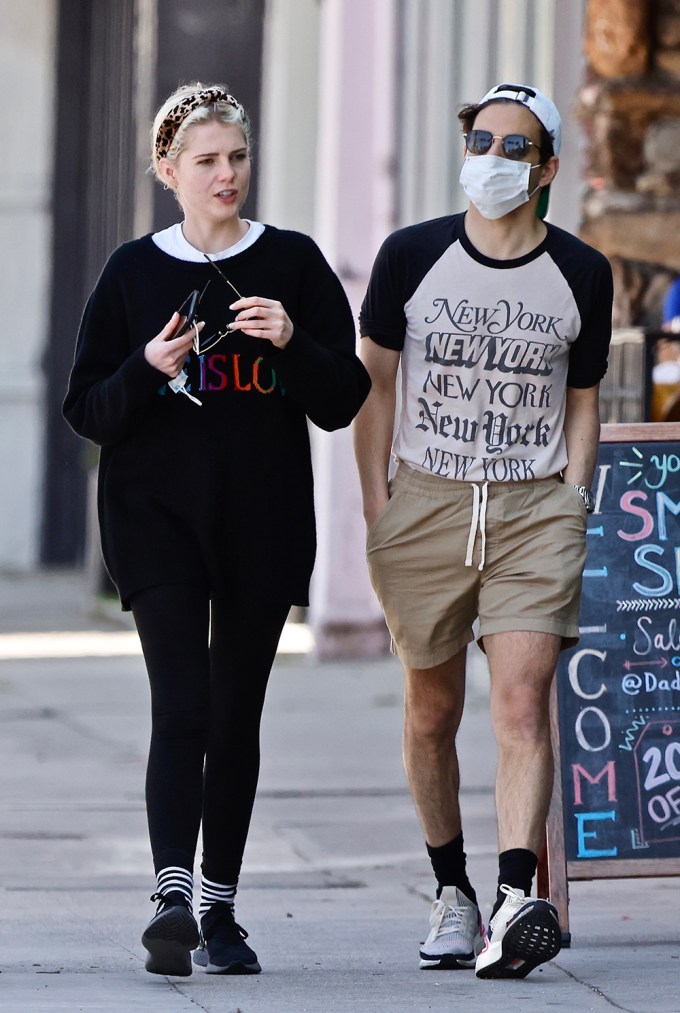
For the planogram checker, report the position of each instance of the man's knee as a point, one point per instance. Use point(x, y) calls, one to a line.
point(433, 701)
point(432, 719)
point(522, 715)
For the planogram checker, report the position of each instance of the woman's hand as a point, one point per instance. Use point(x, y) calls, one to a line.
point(167, 353)
point(262, 318)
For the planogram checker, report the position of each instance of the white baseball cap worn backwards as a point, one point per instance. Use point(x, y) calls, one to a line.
point(543, 108)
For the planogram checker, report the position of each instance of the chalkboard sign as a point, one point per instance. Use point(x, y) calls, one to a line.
point(616, 716)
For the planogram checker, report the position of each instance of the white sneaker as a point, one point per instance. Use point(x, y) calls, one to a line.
point(522, 934)
point(456, 932)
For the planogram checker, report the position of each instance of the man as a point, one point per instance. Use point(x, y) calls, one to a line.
point(501, 325)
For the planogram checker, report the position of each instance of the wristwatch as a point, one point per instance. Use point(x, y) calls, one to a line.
point(586, 495)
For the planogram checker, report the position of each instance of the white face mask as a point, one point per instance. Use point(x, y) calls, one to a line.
point(495, 185)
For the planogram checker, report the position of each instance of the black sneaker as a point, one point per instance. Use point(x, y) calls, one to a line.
point(223, 948)
point(171, 935)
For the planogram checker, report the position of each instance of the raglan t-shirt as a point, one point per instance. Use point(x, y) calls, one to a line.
point(488, 347)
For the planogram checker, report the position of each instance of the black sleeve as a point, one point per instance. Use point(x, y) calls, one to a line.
point(319, 367)
point(588, 354)
point(111, 383)
point(382, 316)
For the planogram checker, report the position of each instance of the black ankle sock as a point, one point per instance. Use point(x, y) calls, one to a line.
point(516, 868)
point(448, 863)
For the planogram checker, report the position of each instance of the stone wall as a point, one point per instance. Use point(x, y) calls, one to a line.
point(629, 105)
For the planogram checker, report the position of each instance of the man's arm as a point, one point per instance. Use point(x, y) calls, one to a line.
point(582, 434)
point(374, 426)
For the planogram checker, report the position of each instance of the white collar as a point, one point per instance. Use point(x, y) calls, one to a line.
point(173, 242)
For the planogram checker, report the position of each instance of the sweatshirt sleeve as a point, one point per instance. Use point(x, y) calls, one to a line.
point(111, 383)
point(319, 367)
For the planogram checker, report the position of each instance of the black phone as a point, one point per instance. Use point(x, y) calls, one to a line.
point(188, 312)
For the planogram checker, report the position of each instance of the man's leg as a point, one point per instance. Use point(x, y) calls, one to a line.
point(433, 706)
point(522, 665)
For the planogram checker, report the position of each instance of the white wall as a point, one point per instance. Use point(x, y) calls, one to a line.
point(567, 78)
point(27, 32)
point(354, 209)
point(290, 101)
point(453, 51)
point(326, 168)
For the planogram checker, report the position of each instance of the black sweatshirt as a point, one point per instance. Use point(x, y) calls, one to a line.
point(219, 493)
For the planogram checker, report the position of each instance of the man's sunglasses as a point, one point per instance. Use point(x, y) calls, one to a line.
point(515, 146)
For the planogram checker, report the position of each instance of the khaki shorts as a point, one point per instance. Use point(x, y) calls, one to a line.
point(526, 559)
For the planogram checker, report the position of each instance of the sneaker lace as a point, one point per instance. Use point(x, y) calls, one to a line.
point(513, 895)
point(225, 927)
point(445, 918)
point(161, 899)
point(514, 900)
point(232, 930)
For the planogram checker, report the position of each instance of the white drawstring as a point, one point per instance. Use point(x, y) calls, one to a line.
point(473, 524)
point(482, 525)
point(478, 521)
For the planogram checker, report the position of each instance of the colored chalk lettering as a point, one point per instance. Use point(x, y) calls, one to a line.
point(583, 850)
point(580, 772)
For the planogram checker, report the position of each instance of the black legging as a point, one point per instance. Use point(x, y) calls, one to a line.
point(206, 706)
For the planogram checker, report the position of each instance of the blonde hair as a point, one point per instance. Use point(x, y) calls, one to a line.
point(188, 105)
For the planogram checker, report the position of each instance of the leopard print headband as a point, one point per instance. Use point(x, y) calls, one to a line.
point(177, 115)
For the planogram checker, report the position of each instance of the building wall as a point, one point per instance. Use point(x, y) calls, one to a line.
point(327, 168)
point(450, 55)
point(287, 145)
point(210, 40)
point(354, 212)
point(27, 75)
point(630, 107)
point(444, 53)
point(93, 210)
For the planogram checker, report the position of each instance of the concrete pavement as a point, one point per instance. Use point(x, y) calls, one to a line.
point(336, 889)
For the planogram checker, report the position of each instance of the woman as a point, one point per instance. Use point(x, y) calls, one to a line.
point(205, 490)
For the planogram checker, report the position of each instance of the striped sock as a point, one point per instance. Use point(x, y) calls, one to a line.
point(213, 892)
point(173, 877)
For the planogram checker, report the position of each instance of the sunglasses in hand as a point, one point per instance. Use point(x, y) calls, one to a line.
point(189, 311)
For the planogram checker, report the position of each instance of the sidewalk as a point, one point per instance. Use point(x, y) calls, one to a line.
point(336, 889)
